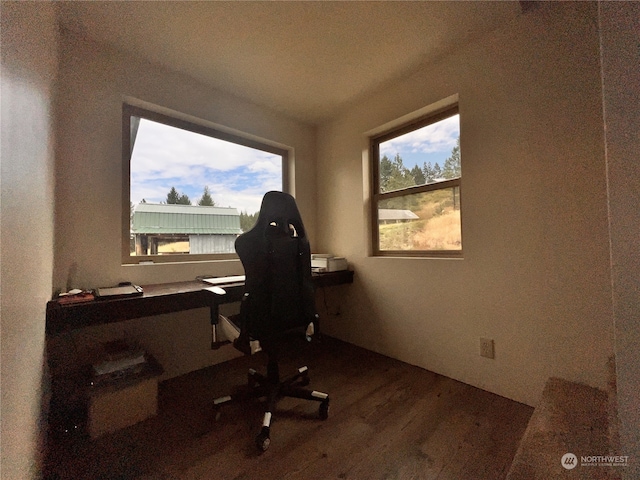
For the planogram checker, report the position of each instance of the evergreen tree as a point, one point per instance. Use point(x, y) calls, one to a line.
point(386, 172)
point(437, 171)
point(400, 175)
point(173, 196)
point(429, 174)
point(206, 200)
point(184, 200)
point(418, 175)
point(247, 220)
point(451, 167)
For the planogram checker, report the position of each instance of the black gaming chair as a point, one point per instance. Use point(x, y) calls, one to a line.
point(278, 302)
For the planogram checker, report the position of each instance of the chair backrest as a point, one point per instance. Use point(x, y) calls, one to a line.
point(275, 253)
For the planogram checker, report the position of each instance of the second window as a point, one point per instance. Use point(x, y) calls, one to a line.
point(416, 183)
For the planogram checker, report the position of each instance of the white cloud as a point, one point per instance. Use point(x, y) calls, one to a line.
point(437, 137)
point(161, 151)
point(236, 175)
point(270, 165)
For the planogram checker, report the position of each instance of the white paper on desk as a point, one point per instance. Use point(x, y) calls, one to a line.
point(224, 280)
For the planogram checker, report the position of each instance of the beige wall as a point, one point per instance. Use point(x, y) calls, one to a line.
point(535, 273)
point(94, 81)
point(619, 24)
point(29, 51)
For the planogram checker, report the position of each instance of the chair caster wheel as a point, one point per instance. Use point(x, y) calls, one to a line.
point(323, 411)
point(263, 440)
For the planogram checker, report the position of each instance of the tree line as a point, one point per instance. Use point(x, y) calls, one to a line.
point(175, 198)
point(395, 176)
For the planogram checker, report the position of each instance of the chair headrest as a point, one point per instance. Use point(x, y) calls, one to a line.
point(280, 212)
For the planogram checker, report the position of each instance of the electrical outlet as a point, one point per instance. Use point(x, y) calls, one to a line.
point(486, 348)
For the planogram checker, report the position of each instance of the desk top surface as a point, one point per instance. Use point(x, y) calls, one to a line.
point(156, 299)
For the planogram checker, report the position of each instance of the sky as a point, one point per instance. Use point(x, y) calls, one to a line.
point(432, 143)
point(239, 176)
point(165, 157)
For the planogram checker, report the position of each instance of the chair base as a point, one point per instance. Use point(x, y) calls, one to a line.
point(271, 388)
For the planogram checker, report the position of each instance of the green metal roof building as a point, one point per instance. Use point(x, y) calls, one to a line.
point(163, 228)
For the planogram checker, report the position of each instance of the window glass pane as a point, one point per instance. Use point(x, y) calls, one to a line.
point(192, 193)
point(427, 155)
point(422, 221)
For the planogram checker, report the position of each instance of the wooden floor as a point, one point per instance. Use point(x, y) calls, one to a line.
point(387, 420)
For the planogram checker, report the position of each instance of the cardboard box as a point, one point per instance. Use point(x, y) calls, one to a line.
point(124, 397)
point(111, 409)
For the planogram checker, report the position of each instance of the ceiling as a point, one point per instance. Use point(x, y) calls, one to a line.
point(307, 59)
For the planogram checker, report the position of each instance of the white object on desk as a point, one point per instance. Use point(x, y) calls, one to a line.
point(217, 290)
point(75, 291)
point(224, 280)
point(328, 263)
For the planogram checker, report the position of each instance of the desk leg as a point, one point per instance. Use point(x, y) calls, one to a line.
point(214, 312)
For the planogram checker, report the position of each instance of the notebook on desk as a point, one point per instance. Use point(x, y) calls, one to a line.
point(224, 280)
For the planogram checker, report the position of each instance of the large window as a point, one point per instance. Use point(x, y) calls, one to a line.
point(416, 188)
point(188, 189)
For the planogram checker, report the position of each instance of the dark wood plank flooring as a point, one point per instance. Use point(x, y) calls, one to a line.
point(388, 420)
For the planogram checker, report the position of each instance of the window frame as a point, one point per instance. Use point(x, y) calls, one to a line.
point(377, 196)
point(222, 133)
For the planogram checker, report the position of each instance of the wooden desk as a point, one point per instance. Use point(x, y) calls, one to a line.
point(157, 300)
